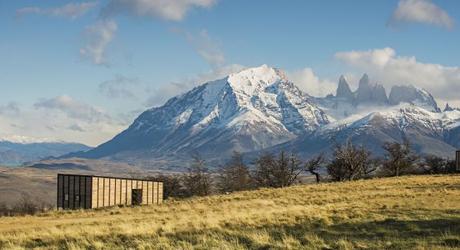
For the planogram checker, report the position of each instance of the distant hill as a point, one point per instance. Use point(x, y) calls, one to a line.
point(18, 153)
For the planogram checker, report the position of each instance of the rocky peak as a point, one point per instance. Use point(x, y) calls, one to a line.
point(364, 81)
point(368, 93)
point(449, 108)
point(343, 90)
point(413, 95)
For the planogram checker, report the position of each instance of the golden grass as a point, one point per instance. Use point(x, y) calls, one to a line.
point(415, 212)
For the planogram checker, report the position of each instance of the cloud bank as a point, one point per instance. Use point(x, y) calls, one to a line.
point(70, 10)
point(392, 69)
point(310, 83)
point(420, 11)
point(170, 10)
point(99, 35)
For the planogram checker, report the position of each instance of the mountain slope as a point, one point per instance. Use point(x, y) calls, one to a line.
point(250, 110)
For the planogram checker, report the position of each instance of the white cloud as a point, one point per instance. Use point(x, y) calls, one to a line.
point(207, 48)
point(73, 109)
point(11, 109)
point(121, 87)
point(70, 10)
point(61, 118)
point(390, 69)
point(171, 10)
point(308, 82)
point(165, 92)
point(420, 11)
point(99, 35)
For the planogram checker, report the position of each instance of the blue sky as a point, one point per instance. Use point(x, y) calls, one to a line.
point(63, 63)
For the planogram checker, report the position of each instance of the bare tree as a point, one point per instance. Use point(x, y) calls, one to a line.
point(263, 172)
point(277, 172)
point(350, 163)
point(314, 165)
point(197, 181)
point(399, 158)
point(234, 176)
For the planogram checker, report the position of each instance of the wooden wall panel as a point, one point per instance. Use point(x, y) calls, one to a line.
point(110, 187)
point(82, 189)
point(71, 191)
point(130, 187)
point(160, 192)
point(117, 191)
point(106, 192)
point(60, 190)
point(89, 192)
point(155, 192)
point(76, 192)
point(100, 192)
point(149, 192)
point(144, 193)
point(94, 193)
point(66, 192)
point(123, 192)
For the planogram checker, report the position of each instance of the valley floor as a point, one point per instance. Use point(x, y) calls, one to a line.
point(415, 212)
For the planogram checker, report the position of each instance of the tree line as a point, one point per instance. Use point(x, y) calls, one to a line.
point(347, 162)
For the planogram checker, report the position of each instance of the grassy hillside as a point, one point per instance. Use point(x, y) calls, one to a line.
point(421, 212)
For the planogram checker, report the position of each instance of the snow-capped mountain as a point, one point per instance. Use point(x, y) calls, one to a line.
point(16, 150)
point(259, 109)
point(251, 110)
point(429, 132)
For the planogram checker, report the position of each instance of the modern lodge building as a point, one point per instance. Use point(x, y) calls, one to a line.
point(88, 191)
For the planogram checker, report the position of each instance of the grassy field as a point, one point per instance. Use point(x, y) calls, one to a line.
point(416, 212)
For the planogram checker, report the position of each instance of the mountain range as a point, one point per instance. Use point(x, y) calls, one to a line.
point(260, 109)
point(15, 152)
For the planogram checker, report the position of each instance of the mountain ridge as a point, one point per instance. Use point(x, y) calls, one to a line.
point(259, 109)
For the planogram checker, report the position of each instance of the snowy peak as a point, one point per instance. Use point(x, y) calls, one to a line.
point(256, 78)
point(249, 110)
point(413, 95)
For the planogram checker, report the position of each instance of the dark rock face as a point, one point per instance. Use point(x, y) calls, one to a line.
point(370, 94)
point(343, 90)
point(448, 108)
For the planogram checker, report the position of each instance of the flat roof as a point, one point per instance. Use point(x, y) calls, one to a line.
point(113, 177)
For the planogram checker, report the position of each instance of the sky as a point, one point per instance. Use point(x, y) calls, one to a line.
point(81, 71)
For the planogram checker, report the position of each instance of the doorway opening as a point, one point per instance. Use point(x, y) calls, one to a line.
point(136, 195)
